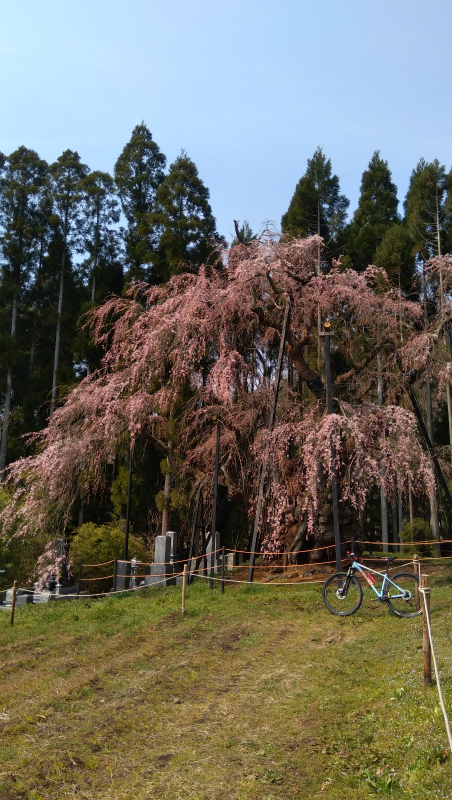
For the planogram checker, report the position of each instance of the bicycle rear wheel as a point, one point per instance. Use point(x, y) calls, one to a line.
point(405, 605)
point(344, 599)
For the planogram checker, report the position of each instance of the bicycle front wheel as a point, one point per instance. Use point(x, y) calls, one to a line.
point(402, 598)
point(342, 595)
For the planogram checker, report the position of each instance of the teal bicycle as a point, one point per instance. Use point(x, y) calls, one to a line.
point(343, 593)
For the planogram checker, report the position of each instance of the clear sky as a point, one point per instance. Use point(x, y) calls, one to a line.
point(248, 88)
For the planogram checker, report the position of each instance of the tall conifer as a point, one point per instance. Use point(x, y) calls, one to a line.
point(317, 206)
point(20, 191)
point(428, 209)
point(375, 215)
point(67, 173)
point(139, 171)
point(189, 234)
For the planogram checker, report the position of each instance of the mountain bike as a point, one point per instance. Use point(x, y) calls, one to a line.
point(342, 593)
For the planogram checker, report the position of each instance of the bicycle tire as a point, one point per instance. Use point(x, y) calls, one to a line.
point(409, 581)
point(330, 595)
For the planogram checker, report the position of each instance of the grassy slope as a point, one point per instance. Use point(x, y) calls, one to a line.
point(257, 694)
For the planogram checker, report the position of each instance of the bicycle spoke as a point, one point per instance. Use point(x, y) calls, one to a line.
point(342, 599)
point(402, 600)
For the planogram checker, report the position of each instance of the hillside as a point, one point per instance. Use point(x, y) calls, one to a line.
point(257, 694)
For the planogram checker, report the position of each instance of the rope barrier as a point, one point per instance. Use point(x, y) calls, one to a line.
point(104, 594)
point(403, 544)
point(265, 585)
point(438, 682)
point(278, 554)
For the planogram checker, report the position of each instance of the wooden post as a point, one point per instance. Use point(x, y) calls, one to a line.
point(184, 586)
point(13, 603)
point(223, 556)
point(417, 568)
point(426, 640)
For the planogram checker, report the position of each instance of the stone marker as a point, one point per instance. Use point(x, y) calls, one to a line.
point(161, 569)
point(213, 558)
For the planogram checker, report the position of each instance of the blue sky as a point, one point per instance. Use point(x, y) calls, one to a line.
point(248, 88)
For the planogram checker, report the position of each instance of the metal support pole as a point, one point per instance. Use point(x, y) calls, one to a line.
point(271, 420)
point(425, 637)
point(214, 509)
point(417, 571)
point(194, 529)
point(329, 399)
point(223, 556)
point(184, 586)
point(13, 603)
point(439, 472)
point(129, 495)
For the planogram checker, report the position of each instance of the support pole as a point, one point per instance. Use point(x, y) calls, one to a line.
point(194, 528)
point(184, 586)
point(417, 571)
point(223, 556)
point(115, 572)
point(430, 448)
point(13, 603)
point(129, 496)
point(425, 637)
point(329, 398)
point(214, 509)
point(271, 420)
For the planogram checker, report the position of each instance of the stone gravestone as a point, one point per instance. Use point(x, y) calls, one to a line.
point(213, 558)
point(123, 575)
point(22, 599)
point(161, 569)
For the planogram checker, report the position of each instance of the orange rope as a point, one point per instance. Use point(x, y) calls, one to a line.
point(403, 544)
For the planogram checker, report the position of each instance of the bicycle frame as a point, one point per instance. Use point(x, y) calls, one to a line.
point(380, 594)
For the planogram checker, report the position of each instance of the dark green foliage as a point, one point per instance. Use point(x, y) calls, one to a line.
point(22, 188)
point(428, 208)
point(375, 215)
point(317, 205)
point(67, 174)
point(185, 218)
point(94, 544)
point(418, 531)
point(244, 234)
point(138, 175)
point(102, 268)
point(395, 255)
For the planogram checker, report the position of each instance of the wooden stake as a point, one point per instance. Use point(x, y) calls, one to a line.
point(13, 603)
point(184, 586)
point(426, 640)
point(417, 572)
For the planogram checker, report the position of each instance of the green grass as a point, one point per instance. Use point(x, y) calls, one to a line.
point(257, 694)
